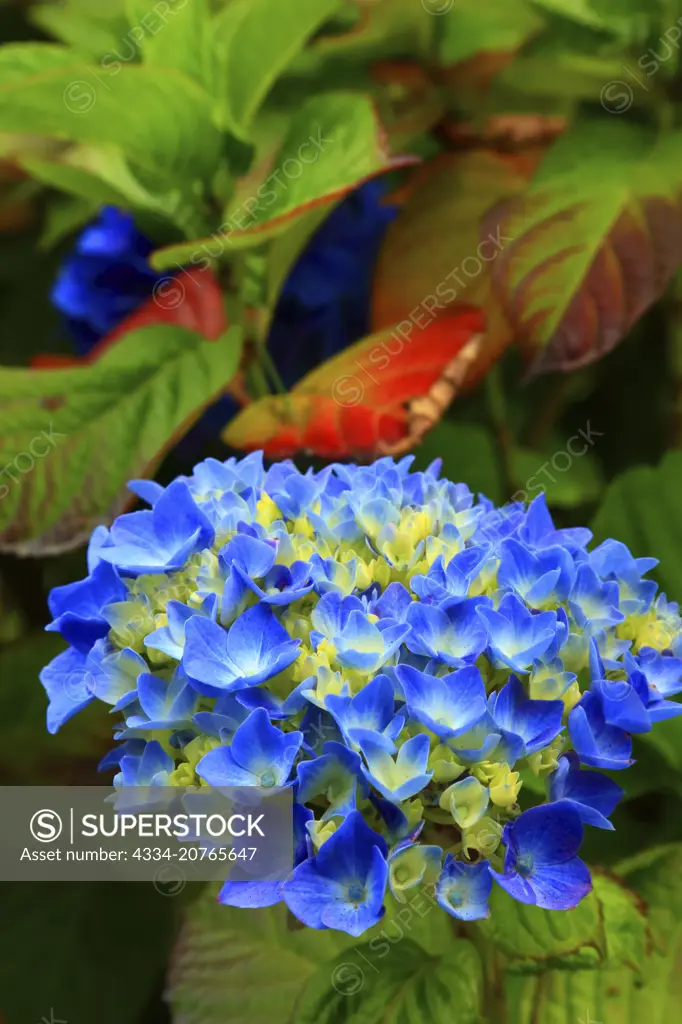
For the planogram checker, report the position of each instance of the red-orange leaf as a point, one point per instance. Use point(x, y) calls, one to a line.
point(380, 395)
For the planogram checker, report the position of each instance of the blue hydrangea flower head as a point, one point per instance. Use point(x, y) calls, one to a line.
point(261, 627)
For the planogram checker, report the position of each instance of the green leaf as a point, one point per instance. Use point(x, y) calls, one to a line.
point(602, 15)
point(287, 247)
point(641, 508)
point(89, 35)
point(465, 32)
point(334, 143)
point(243, 966)
point(263, 967)
point(101, 174)
point(618, 995)
point(593, 242)
point(74, 181)
point(626, 933)
point(411, 986)
point(255, 41)
point(469, 456)
point(574, 483)
point(179, 36)
point(536, 939)
point(565, 74)
point(380, 29)
point(65, 217)
point(19, 61)
point(666, 738)
point(70, 439)
point(159, 117)
point(82, 952)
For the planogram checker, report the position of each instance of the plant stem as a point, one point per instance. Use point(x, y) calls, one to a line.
point(497, 413)
point(674, 345)
point(270, 369)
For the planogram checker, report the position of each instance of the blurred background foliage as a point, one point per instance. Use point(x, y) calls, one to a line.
point(556, 122)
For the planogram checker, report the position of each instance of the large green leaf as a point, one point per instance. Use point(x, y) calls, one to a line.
point(618, 995)
point(255, 41)
point(159, 117)
point(536, 939)
point(179, 37)
point(592, 243)
point(82, 952)
point(408, 987)
point(642, 508)
point(243, 966)
point(608, 926)
point(334, 143)
point(70, 439)
point(262, 967)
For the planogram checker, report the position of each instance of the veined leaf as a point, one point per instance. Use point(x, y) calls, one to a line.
point(641, 508)
point(410, 986)
point(380, 395)
point(535, 939)
point(608, 927)
point(618, 995)
point(333, 145)
point(71, 438)
point(255, 41)
point(592, 243)
point(180, 37)
point(245, 966)
point(257, 966)
point(159, 117)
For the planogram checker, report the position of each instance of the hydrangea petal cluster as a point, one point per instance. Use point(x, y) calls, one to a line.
point(417, 665)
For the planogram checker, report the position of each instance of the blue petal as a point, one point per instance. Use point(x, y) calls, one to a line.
point(65, 681)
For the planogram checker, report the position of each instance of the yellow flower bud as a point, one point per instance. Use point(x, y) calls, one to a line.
point(505, 787)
